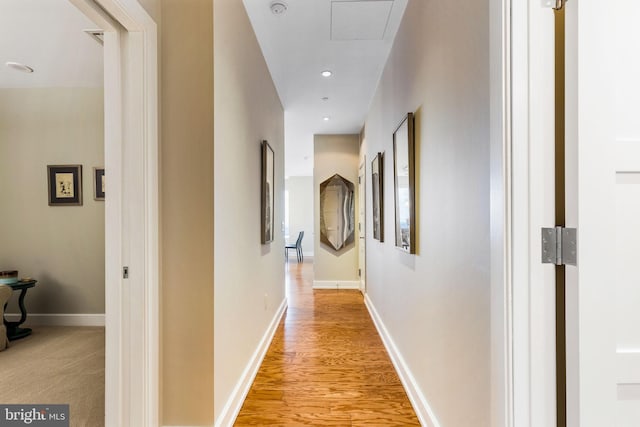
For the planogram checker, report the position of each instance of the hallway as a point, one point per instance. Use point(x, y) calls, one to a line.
point(326, 365)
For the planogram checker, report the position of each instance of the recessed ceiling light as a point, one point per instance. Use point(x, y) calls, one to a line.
point(278, 7)
point(326, 118)
point(20, 67)
point(326, 73)
point(325, 98)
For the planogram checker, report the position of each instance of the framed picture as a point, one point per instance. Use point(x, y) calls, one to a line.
point(98, 183)
point(65, 185)
point(377, 191)
point(267, 205)
point(404, 184)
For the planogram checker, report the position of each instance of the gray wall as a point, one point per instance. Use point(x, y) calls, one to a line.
point(61, 247)
point(334, 154)
point(436, 304)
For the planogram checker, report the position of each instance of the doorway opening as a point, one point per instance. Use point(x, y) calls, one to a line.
point(132, 284)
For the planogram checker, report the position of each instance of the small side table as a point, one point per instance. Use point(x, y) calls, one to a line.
point(14, 331)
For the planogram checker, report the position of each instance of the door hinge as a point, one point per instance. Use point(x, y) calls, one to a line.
point(559, 246)
point(555, 4)
point(359, 272)
point(125, 272)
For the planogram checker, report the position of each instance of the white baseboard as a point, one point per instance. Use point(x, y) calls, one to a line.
point(305, 254)
point(336, 284)
point(234, 404)
point(59, 319)
point(420, 405)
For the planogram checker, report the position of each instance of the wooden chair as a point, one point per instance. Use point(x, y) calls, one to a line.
point(297, 246)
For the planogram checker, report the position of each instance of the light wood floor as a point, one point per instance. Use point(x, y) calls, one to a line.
point(62, 365)
point(326, 365)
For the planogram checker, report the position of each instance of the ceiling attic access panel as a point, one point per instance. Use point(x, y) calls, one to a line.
point(360, 20)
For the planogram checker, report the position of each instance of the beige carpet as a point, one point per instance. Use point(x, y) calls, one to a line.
point(57, 365)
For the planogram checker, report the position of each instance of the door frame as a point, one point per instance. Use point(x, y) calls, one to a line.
point(533, 207)
point(131, 211)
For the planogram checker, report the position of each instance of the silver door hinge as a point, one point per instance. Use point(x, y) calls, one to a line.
point(559, 246)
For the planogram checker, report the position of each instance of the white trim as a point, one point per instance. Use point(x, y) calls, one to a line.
point(336, 284)
point(305, 254)
point(420, 404)
point(532, 203)
point(131, 211)
point(500, 183)
point(234, 403)
point(59, 319)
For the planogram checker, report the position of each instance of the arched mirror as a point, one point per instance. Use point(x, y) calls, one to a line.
point(337, 212)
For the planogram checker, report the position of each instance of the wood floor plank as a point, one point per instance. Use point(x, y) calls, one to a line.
point(326, 365)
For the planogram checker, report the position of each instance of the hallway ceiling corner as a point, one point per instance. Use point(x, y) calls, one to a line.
point(351, 38)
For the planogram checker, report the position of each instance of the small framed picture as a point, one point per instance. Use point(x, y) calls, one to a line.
point(98, 183)
point(65, 185)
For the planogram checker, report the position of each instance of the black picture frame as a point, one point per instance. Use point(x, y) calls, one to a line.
point(404, 184)
point(98, 183)
point(65, 185)
point(377, 194)
point(267, 223)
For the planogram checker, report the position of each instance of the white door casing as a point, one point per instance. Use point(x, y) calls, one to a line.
point(533, 130)
point(603, 202)
point(131, 211)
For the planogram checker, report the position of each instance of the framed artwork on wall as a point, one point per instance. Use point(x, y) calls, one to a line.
point(65, 185)
point(377, 191)
point(267, 205)
point(98, 183)
point(404, 184)
point(337, 212)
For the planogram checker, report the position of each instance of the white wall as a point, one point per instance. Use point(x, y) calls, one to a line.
point(248, 276)
point(335, 154)
point(301, 212)
point(61, 247)
point(435, 305)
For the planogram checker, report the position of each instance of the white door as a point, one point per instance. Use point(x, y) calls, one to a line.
point(603, 202)
point(361, 226)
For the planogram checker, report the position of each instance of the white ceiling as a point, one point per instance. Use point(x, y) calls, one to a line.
point(352, 38)
point(47, 36)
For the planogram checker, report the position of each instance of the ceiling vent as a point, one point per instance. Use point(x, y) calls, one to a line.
point(97, 35)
